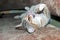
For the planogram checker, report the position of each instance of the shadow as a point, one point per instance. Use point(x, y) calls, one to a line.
point(1, 15)
point(55, 18)
point(20, 28)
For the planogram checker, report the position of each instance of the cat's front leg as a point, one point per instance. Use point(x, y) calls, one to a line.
point(19, 25)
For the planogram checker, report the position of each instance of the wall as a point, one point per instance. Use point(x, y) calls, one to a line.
point(53, 5)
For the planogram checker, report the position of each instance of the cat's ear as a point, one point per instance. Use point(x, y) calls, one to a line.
point(41, 7)
point(27, 8)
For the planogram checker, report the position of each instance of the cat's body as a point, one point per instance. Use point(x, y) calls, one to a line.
point(31, 20)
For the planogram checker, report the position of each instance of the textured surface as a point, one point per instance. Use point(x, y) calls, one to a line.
point(8, 31)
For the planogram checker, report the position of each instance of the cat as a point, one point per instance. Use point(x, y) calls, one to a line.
point(35, 17)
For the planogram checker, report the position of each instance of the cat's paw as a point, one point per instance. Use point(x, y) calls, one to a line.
point(17, 17)
point(31, 30)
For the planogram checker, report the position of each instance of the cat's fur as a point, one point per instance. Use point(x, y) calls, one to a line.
point(33, 19)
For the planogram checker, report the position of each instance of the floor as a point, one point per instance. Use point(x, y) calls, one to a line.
point(8, 31)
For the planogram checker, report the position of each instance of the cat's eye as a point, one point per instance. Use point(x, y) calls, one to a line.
point(33, 16)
